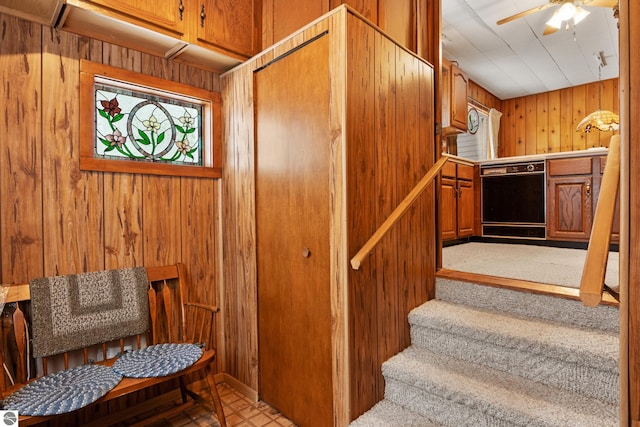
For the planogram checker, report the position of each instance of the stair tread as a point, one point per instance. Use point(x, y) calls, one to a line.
point(570, 312)
point(389, 414)
point(590, 347)
point(490, 391)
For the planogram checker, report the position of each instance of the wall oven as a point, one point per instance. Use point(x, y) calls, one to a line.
point(514, 200)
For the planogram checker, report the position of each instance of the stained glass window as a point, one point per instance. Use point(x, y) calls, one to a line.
point(135, 125)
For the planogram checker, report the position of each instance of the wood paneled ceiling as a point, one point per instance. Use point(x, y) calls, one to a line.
point(515, 59)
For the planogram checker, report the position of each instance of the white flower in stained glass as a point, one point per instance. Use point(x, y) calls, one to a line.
point(151, 124)
point(186, 120)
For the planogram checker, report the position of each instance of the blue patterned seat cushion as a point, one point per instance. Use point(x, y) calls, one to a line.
point(63, 391)
point(157, 360)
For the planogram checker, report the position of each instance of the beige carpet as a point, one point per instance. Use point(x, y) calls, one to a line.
point(543, 264)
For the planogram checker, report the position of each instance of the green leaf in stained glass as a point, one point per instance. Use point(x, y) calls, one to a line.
point(144, 138)
point(117, 118)
point(103, 114)
point(160, 138)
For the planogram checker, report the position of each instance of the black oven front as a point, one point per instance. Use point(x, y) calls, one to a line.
point(513, 200)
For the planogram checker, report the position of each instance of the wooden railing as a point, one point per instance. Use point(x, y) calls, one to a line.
point(595, 265)
point(398, 212)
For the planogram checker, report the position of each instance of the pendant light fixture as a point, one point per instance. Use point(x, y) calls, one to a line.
point(602, 120)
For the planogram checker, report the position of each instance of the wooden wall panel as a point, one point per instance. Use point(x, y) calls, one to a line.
point(553, 122)
point(482, 96)
point(239, 237)
point(21, 148)
point(387, 197)
point(397, 18)
point(631, 134)
point(73, 227)
point(546, 122)
point(361, 213)
point(280, 18)
point(57, 219)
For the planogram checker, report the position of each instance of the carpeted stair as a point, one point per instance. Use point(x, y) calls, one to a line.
point(489, 356)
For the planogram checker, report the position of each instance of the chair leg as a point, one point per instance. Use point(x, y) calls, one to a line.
point(183, 389)
point(216, 397)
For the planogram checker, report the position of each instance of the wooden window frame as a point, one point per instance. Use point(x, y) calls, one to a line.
point(212, 137)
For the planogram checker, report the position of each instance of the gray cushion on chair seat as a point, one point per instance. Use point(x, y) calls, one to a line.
point(63, 391)
point(157, 360)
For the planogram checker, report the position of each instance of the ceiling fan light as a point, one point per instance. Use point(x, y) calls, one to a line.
point(555, 21)
point(566, 11)
point(580, 15)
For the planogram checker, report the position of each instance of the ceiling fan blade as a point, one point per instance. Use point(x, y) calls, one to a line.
point(527, 12)
point(599, 3)
point(549, 30)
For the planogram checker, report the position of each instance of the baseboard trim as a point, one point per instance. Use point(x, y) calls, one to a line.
point(239, 386)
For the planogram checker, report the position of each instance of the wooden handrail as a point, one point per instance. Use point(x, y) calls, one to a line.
point(398, 212)
point(595, 265)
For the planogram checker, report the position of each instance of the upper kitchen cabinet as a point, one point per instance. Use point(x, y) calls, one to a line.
point(229, 25)
point(167, 17)
point(454, 99)
point(215, 35)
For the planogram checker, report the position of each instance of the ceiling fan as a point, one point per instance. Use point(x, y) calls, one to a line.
point(569, 9)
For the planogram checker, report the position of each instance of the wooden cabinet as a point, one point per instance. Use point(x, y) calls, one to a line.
point(569, 198)
point(214, 34)
point(343, 132)
point(454, 99)
point(457, 201)
point(228, 24)
point(163, 16)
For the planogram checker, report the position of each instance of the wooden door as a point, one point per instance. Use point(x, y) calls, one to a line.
point(569, 214)
point(459, 100)
point(228, 24)
point(465, 208)
point(292, 228)
point(448, 208)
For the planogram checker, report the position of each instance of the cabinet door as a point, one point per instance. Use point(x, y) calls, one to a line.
point(465, 208)
point(166, 14)
point(293, 233)
point(459, 98)
point(448, 212)
point(569, 207)
point(228, 24)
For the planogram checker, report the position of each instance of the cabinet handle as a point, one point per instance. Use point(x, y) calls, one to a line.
point(588, 188)
point(306, 252)
point(181, 9)
point(202, 15)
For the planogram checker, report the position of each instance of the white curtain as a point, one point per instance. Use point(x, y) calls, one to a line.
point(492, 133)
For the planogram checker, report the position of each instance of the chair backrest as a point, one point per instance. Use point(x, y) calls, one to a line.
point(15, 333)
point(173, 320)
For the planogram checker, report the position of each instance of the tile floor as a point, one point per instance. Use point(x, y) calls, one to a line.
point(239, 410)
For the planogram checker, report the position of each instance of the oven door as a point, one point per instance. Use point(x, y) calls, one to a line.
point(513, 205)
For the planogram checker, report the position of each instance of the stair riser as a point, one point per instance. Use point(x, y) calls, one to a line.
point(537, 306)
point(537, 367)
point(453, 410)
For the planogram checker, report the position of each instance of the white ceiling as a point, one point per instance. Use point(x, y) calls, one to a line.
point(514, 59)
